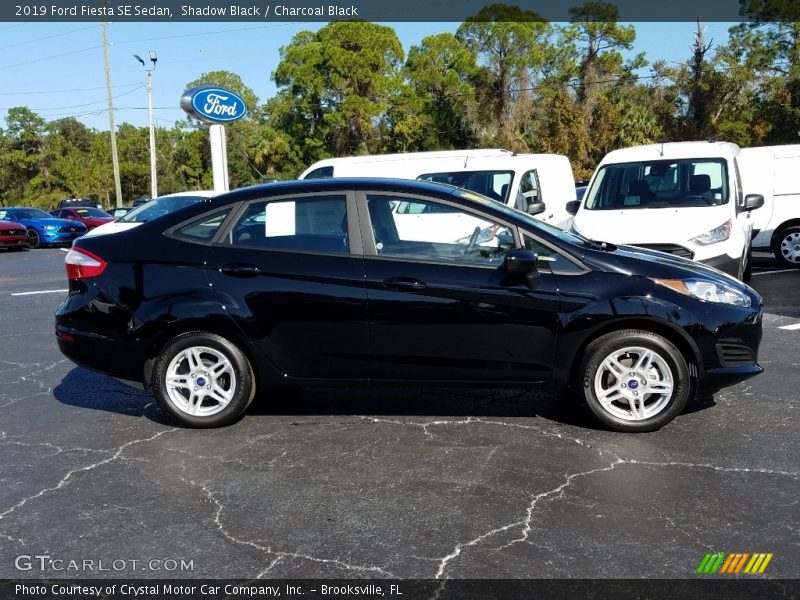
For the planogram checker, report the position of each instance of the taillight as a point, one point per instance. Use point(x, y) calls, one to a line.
point(82, 264)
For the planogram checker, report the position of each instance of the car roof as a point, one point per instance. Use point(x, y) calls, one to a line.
point(334, 184)
point(200, 193)
point(671, 151)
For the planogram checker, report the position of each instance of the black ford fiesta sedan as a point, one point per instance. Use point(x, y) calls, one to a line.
point(363, 281)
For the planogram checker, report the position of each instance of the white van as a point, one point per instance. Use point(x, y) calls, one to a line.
point(540, 184)
point(684, 198)
point(775, 172)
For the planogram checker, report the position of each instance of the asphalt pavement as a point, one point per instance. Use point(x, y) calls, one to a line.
point(411, 483)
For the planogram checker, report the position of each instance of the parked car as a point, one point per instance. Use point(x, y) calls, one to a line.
point(153, 209)
point(209, 304)
point(13, 236)
point(90, 216)
point(539, 184)
point(773, 172)
point(120, 212)
point(43, 228)
point(682, 198)
point(137, 202)
point(75, 202)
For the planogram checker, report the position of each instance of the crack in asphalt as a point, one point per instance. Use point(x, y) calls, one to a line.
point(278, 554)
point(117, 453)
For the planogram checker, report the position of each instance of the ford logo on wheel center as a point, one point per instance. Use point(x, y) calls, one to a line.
point(213, 104)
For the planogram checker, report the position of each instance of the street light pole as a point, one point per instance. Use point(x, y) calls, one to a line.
point(153, 170)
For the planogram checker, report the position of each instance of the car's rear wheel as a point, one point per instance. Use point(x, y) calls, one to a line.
point(203, 380)
point(34, 240)
point(786, 247)
point(634, 380)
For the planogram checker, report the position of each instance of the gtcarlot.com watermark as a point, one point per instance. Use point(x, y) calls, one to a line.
point(44, 563)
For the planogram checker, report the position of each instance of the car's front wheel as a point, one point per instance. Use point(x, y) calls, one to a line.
point(34, 240)
point(634, 380)
point(203, 380)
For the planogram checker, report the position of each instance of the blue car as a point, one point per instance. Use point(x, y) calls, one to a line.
point(43, 228)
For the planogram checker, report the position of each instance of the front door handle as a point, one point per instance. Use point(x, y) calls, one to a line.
point(406, 284)
point(240, 270)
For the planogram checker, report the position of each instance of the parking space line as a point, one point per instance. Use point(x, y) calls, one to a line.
point(778, 271)
point(39, 292)
point(790, 327)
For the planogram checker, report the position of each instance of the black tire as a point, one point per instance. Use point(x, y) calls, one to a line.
point(748, 268)
point(776, 245)
point(743, 273)
point(603, 347)
point(244, 389)
point(34, 240)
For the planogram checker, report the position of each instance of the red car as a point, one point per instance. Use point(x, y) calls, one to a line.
point(88, 215)
point(13, 235)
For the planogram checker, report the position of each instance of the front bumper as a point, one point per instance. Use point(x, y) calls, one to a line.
point(60, 237)
point(14, 242)
point(724, 263)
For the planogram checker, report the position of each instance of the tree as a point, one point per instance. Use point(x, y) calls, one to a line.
point(442, 71)
point(511, 44)
point(335, 84)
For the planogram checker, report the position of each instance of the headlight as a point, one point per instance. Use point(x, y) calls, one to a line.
point(716, 235)
point(707, 291)
point(50, 227)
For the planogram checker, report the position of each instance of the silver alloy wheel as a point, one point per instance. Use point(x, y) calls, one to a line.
point(790, 247)
point(200, 381)
point(634, 383)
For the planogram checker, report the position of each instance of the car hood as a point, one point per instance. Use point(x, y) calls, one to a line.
point(11, 225)
point(54, 221)
point(112, 227)
point(649, 225)
point(633, 260)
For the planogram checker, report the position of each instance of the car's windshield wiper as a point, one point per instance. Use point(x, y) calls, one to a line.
point(607, 246)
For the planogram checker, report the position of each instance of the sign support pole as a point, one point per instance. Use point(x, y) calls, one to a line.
point(219, 157)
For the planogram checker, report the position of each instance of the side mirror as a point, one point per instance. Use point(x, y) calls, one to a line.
point(753, 201)
point(521, 263)
point(573, 206)
point(536, 207)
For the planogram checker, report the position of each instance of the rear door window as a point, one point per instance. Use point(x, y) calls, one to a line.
point(307, 224)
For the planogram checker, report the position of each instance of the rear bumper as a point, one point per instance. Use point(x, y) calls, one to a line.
point(100, 353)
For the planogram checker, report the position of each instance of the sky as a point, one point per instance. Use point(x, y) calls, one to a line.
point(56, 69)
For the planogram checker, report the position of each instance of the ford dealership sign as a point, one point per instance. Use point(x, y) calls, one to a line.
point(213, 104)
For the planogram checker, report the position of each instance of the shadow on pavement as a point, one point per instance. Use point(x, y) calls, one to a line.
point(86, 389)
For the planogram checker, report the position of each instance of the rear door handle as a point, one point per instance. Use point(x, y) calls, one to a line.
point(240, 270)
point(403, 284)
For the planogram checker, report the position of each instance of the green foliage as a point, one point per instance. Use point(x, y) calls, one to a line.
point(505, 78)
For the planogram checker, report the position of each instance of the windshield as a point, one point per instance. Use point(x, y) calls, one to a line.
point(92, 212)
point(29, 213)
point(532, 223)
point(492, 184)
point(670, 183)
point(159, 207)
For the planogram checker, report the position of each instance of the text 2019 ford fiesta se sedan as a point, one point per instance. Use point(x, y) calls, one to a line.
point(383, 281)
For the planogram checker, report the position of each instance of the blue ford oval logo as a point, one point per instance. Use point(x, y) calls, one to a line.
point(213, 104)
point(633, 384)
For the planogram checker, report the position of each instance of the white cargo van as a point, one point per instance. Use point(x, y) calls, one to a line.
point(775, 172)
point(540, 184)
point(684, 198)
